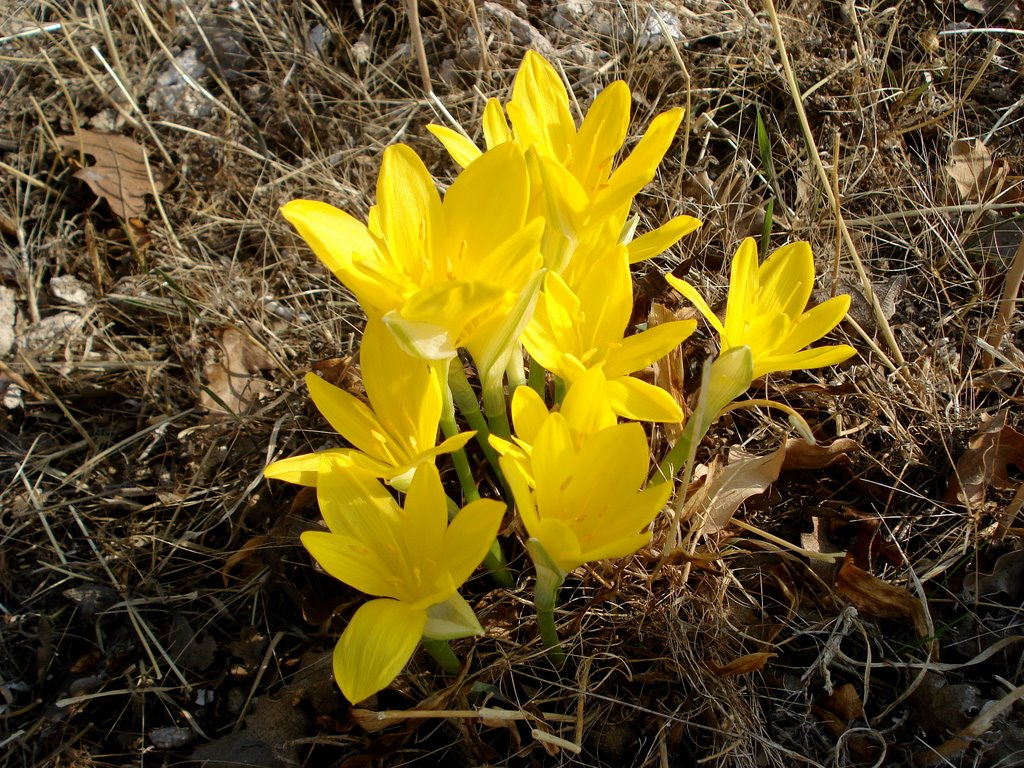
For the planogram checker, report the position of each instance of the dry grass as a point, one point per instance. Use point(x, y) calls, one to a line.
point(155, 600)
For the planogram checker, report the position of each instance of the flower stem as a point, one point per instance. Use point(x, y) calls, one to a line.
point(496, 409)
point(545, 595)
point(494, 560)
point(515, 370)
point(538, 379)
point(469, 406)
point(443, 655)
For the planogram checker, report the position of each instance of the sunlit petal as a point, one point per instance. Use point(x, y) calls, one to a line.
point(661, 239)
point(633, 399)
point(636, 352)
point(462, 150)
point(375, 646)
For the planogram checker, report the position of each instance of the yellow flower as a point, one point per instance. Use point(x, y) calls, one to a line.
point(580, 497)
point(573, 331)
point(412, 559)
point(394, 434)
point(765, 310)
point(589, 198)
point(442, 275)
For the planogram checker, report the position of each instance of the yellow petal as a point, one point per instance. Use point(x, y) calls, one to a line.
point(426, 512)
point(786, 279)
point(601, 136)
point(640, 350)
point(639, 168)
point(352, 562)
point(351, 418)
point(462, 150)
point(637, 400)
point(349, 496)
point(697, 300)
point(605, 291)
point(301, 470)
point(403, 390)
point(539, 108)
point(496, 130)
point(408, 206)
point(552, 461)
point(661, 239)
point(375, 646)
point(743, 294)
point(528, 413)
point(587, 408)
point(814, 323)
point(519, 484)
point(484, 206)
point(560, 543)
point(338, 240)
point(469, 536)
point(817, 357)
point(568, 205)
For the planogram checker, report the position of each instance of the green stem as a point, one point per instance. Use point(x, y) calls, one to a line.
point(469, 407)
point(545, 596)
point(515, 370)
point(496, 409)
point(443, 655)
point(494, 560)
point(538, 379)
point(560, 390)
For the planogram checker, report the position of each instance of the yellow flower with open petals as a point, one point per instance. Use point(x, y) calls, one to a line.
point(411, 559)
point(442, 275)
point(573, 331)
point(579, 497)
point(394, 434)
point(765, 310)
point(576, 167)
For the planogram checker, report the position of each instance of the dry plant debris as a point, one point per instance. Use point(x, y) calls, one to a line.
point(119, 173)
point(126, 514)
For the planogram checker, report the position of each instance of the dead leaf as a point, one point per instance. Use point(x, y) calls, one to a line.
point(188, 648)
point(717, 500)
point(1007, 579)
point(747, 475)
point(993, 448)
point(119, 174)
point(752, 662)
point(978, 176)
point(874, 597)
point(803, 455)
point(234, 384)
point(844, 702)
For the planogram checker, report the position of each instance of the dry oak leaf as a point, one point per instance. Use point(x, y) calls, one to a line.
point(744, 665)
point(234, 385)
point(993, 448)
point(119, 174)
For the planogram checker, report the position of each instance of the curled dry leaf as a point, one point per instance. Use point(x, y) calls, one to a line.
point(234, 385)
point(874, 597)
point(752, 662)
point(746, 475)
point(119, 174)
point(991, 451)
point(668, 373)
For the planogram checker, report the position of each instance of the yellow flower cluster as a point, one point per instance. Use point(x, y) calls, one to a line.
point(529, 248)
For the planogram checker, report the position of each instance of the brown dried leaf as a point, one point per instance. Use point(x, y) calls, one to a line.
point(844, 702)
point(752, 662)
point(979, 177)
point(746, 475)
point(119, 174)
point(870, 595)
point(993, 448)
point(234, 384)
